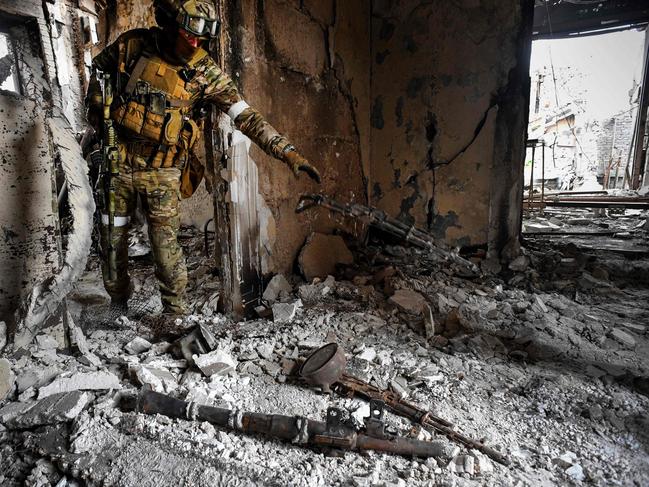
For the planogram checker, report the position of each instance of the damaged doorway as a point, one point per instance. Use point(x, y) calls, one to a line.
point(584, 105)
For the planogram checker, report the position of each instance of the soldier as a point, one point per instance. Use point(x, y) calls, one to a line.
point(159, 76)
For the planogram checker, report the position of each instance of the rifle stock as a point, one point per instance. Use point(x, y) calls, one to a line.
point(350, 385)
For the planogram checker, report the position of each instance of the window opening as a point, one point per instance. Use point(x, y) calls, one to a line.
point(9, 80)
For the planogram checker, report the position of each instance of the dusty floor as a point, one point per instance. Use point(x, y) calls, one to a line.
point(548, 362)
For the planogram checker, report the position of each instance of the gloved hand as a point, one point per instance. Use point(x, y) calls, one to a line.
point(298, 163)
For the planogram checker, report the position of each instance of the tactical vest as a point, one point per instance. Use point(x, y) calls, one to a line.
point(156, 108)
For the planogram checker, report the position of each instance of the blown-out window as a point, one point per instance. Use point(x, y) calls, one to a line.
point(9, 80)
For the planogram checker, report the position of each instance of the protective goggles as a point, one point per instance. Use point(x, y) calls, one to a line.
point(199, 26)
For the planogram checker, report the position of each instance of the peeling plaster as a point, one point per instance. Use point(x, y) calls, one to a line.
point(435, 110)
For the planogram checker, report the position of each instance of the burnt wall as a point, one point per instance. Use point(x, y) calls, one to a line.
point(28, 224)
point(448, 80)
point(305, 65)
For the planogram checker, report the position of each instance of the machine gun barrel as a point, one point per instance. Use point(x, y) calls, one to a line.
point(378, 219)
point(298, 430)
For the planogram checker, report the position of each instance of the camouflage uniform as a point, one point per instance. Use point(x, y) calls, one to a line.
point(153, 171)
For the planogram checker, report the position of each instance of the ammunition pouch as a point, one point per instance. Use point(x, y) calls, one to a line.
point(153, 113)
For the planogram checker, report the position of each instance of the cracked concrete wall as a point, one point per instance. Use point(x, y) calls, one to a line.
point(440, 74)
point(305, 65)
point(49, 61)
point(28, 221)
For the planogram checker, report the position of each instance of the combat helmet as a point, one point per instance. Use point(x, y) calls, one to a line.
point(198, 17)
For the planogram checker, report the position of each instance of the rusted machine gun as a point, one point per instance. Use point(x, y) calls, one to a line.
point(334, 434)
point(325, 368)
point(378, 219)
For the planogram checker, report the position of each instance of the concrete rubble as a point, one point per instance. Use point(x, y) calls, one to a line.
point(7, 379)
point(88, 381)
point(56, 408)
point(547, 367)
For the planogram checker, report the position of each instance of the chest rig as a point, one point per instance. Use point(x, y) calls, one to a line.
point(154, 111)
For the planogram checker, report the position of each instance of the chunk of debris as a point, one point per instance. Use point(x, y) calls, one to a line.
point(13, 410)
point(462, 464)
point(78, 340)
point(368, 355)
point(35, 377)
point(90, 359)
point(278, 288)
point(271, 368)
point(3, 335)
point(89, 381)
point(566, 460)
point(409, 301)
point(160, 348)
point(519, 264)
point(159, 379)
point(7, 379)
point(55, 408)
point(46, 342)
point(285, 312)
point(482, 463)
point(137, 346)
point(217, 362)
point(623, 338)
point(321, 254)
point(429, 322)
point(576, 472)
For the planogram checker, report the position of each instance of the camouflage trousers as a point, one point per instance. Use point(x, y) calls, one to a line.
point(159, 192)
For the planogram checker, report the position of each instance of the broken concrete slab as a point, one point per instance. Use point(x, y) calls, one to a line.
point(89, 381)
point(635, 327)
point(623, 338)
point(159, 379)
point(409, 301)
point(321, 254)
point(53, 409)
point(278, 288)
point(217, 362)
point(46, 342)
point(7, 379)
point(285, 312)
point(13, 410)
point(137, 345)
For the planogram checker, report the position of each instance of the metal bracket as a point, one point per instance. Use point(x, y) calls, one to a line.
point(337, 434)
point(334, 418)
point(374, 423)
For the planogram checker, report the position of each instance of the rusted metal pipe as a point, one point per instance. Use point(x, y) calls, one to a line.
point(297, 430)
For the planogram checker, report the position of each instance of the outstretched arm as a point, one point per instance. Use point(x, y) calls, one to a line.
point(222, 91)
